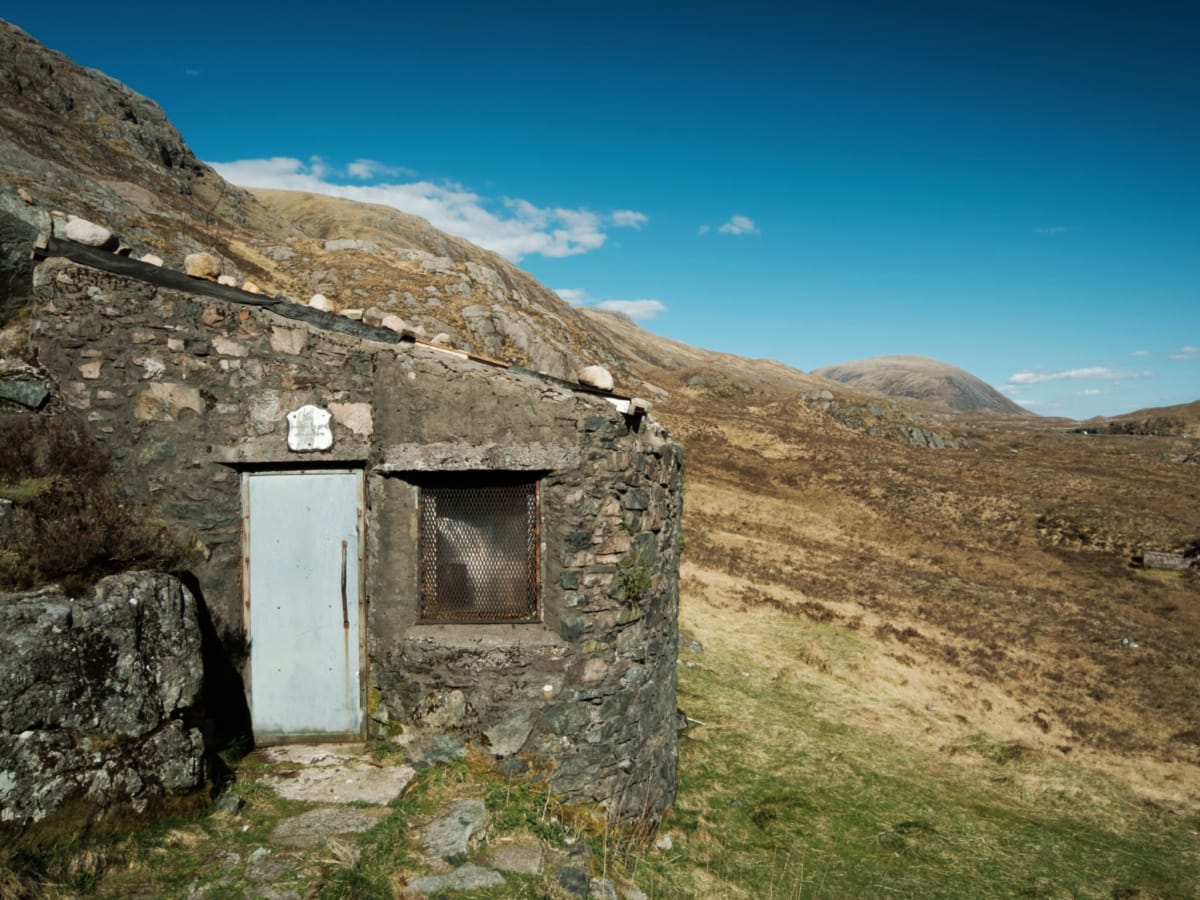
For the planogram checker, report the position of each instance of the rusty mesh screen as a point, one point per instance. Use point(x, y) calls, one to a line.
point(479, 553)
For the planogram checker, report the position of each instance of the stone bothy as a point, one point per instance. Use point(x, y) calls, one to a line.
point(397, 540)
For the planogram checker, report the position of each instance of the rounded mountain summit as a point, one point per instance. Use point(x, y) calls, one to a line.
point(925, 379)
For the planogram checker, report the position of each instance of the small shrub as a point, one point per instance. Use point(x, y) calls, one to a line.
point(69, 520)
point(999, 752)
point(635, 580)
point(43, 446)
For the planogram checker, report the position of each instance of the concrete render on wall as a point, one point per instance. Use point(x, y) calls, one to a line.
point(189, 392)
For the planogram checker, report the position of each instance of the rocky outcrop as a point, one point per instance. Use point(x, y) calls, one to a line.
point(889, 420)
point(924, 438)
point(74, 140)
point(38, 84)
point(16, 267)
point(96, 698)
point(1182, 421)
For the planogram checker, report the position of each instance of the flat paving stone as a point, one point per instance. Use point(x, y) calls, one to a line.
point(464, 878)
point(521, 858)
point(315, 827)
point(263, 865)
point(448, 836)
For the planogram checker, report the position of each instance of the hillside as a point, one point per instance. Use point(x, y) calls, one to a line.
point(76, 140)
point(918, 378)
point(363, 255)
point(1182, 420)
point(966, 607)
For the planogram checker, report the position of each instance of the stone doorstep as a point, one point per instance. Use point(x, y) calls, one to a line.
point(314, 754)
point(335, 773)
point(354, 783)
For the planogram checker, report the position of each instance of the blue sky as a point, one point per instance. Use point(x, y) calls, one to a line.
point(1013, 188)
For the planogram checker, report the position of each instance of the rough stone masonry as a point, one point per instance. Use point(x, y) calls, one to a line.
point(192, 393)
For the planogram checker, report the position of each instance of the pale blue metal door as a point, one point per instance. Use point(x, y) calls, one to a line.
point(303, 538)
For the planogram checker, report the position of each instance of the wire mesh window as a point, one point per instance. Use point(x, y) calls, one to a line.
point(479, 551)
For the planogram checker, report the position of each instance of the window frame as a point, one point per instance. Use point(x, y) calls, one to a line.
point(461, 484)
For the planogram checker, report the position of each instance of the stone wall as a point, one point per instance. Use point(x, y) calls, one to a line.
point(97, 698)
point(184, 390)
point(190, 391)
point(593, 686)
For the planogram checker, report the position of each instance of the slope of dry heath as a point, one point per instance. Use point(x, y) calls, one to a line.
point(996, 584)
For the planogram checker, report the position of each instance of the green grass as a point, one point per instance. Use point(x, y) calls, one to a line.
point(783, 800)
point(781, 796)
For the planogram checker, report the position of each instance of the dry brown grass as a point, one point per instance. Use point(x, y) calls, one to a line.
point(990, 591)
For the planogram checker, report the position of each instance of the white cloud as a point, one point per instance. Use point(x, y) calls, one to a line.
point(1185, 353)
point(511, 227)
point(635, 309)
point(705, 229)
point(629, 218)
point(372, 168)
point(739, 224)
point(1053, 229)
point(1140, 353)
point(1091, 392)
point(1098, 373)
point(317, 167)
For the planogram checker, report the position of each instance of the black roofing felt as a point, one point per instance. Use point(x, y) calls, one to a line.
point(180, 281)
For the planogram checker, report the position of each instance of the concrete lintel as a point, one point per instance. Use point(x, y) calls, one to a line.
point(273, 449)
point(453, 457)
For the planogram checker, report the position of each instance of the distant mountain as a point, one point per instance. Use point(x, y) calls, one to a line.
point(919, 378)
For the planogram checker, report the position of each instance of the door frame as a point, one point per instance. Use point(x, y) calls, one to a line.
point(244, 581)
